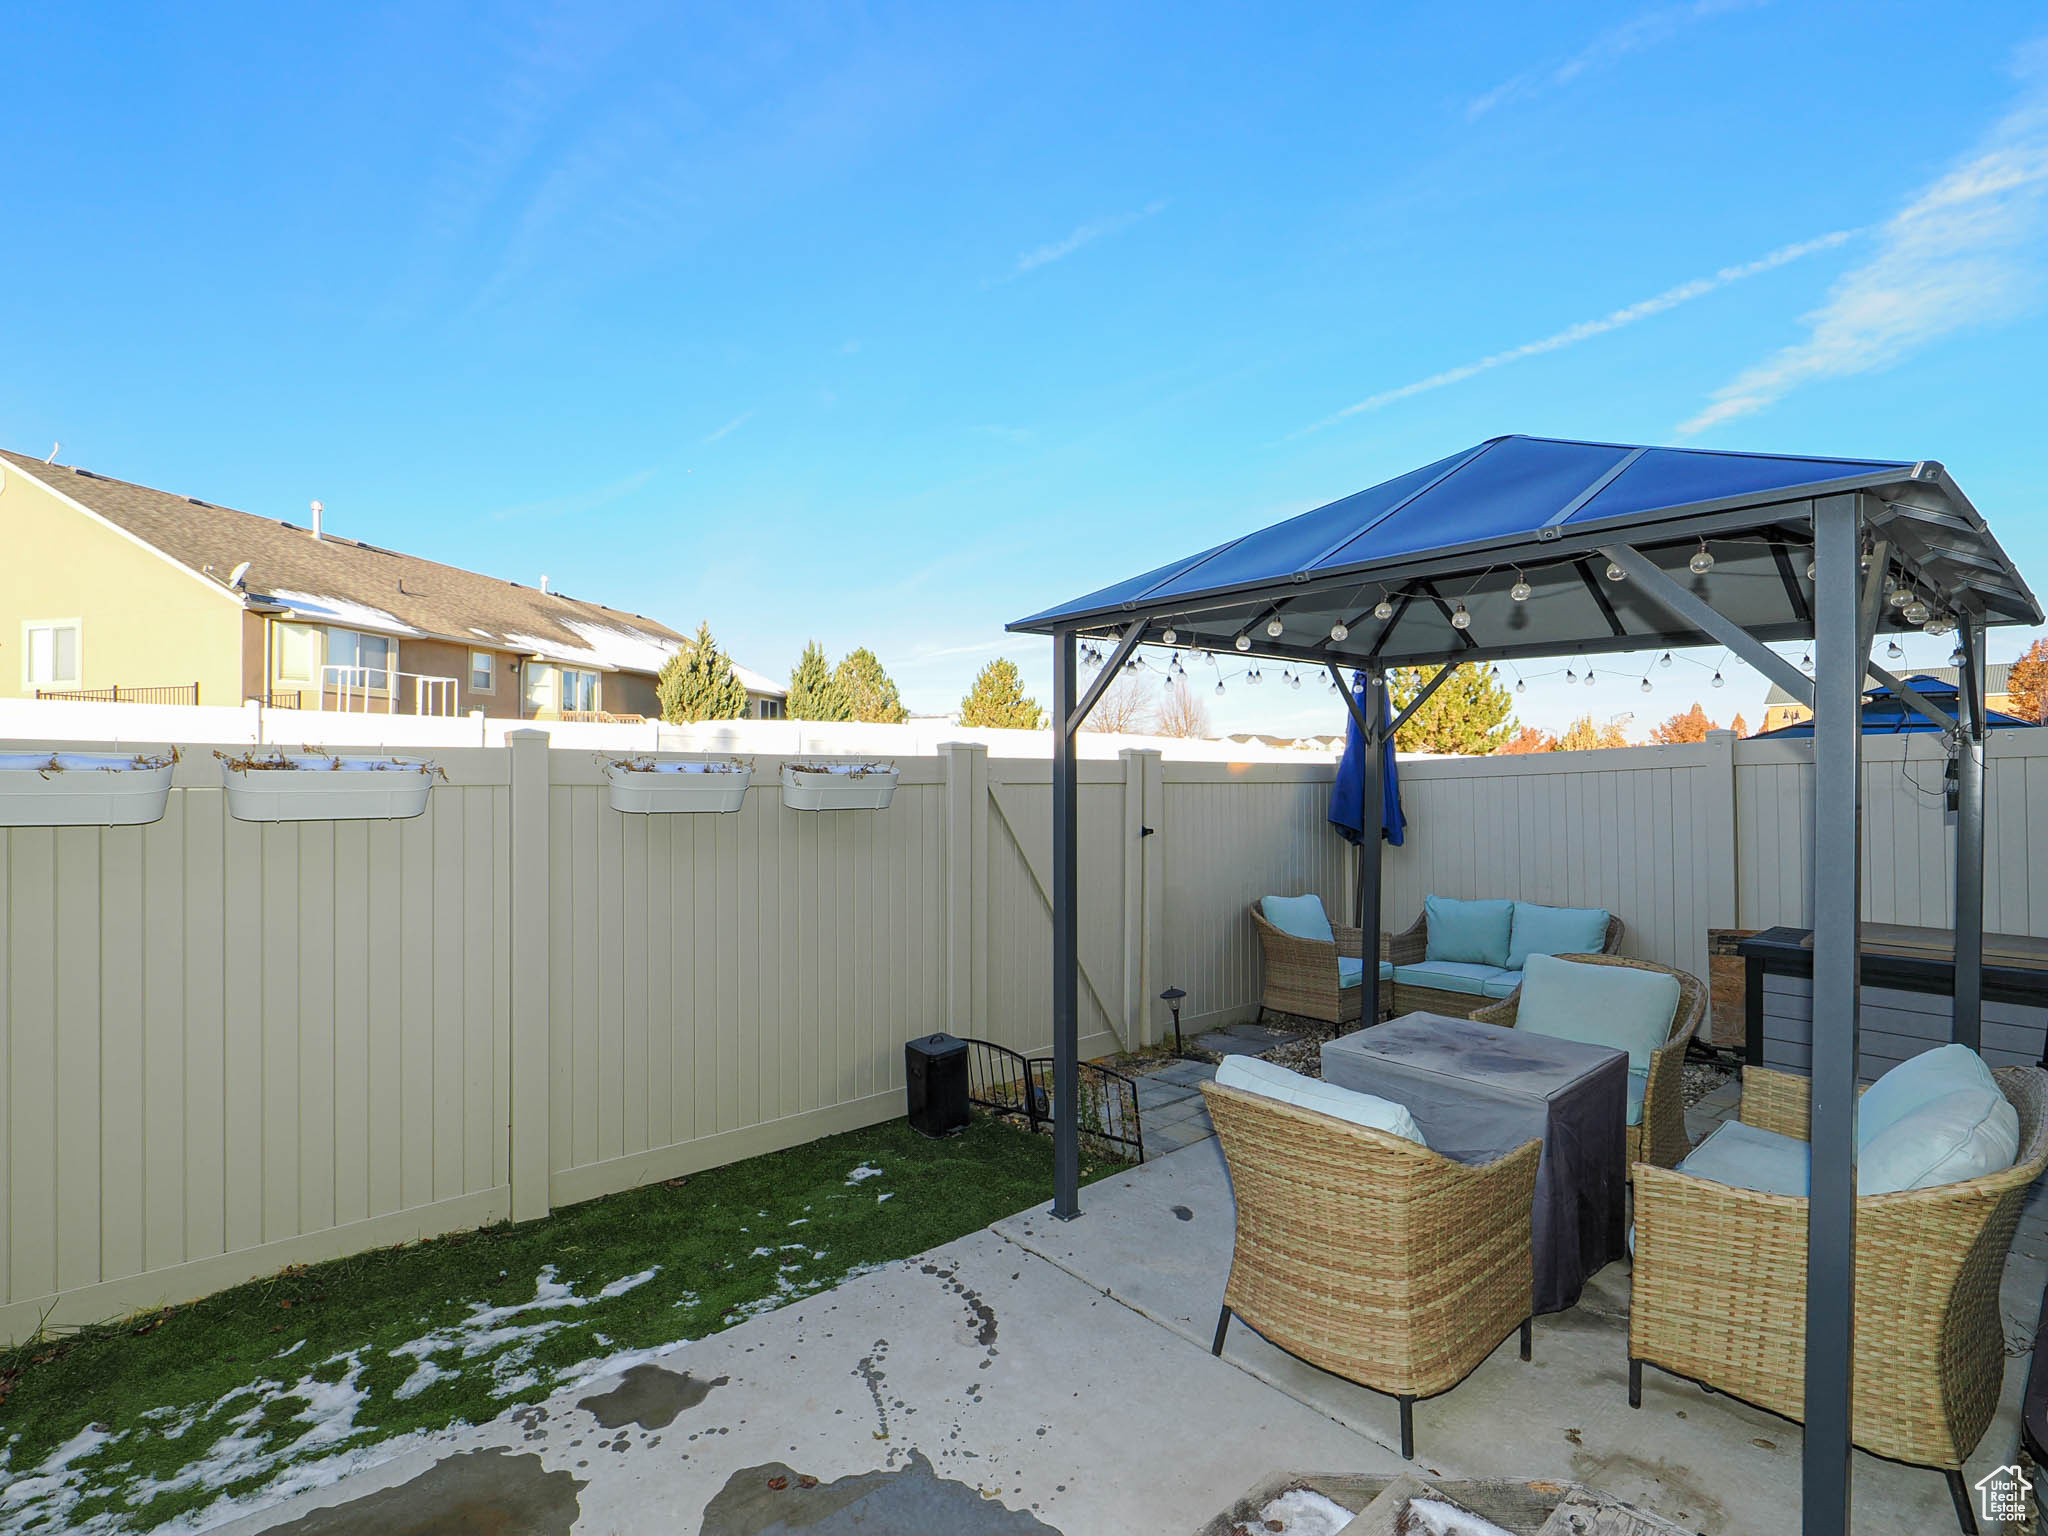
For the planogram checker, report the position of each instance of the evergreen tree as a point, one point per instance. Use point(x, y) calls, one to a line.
point(697, 683)
point(1470, 715)
point(813, 695)
point(997, 699)
point(870, 692)
point(1584, 735)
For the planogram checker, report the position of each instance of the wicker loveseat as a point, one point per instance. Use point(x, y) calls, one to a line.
point(1720, 1288)
point(1660, 1138)
point(1302, 975)
point(1368, 1255)
point(1411, 947)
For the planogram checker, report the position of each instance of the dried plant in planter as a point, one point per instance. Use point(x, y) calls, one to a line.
point(645, 764)
point(843, 770)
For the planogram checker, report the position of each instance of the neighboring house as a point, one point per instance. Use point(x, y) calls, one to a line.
point(1780, 709)
point(108, 585)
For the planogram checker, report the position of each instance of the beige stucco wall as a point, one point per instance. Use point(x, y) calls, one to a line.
point(144, 622)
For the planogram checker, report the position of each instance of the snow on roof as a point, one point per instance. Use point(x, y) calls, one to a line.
point(756, 682)
point(339, 610)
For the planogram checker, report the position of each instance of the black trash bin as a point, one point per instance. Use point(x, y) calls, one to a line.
point(935, 1072)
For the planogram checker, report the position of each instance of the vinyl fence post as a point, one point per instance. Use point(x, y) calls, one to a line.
point(527, 752)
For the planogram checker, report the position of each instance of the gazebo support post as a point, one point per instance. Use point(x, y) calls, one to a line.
point(1066, 1072)
point(1366, 714)
point(1969, 923)
point(1837, 893)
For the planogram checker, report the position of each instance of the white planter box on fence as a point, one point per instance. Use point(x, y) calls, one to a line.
point(838, 786)
point(304, 786)
point(645, 787)
point(82, 789)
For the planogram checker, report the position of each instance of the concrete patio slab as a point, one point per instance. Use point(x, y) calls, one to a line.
point(1006, 1374)
point(1245, 1040)
point(1159, 1240)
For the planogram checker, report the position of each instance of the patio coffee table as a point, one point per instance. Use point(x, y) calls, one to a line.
point(1478, 1090)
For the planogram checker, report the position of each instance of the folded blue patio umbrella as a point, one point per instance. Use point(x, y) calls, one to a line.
point(1347, 810)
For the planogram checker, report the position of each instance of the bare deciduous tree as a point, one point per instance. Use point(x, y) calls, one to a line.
point(1124, 708)
point(1180, 712)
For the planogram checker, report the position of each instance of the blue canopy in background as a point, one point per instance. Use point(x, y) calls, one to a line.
point(1347, 809)
point(1886, 714)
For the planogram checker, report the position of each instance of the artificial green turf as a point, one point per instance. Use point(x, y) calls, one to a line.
point(241, 1370)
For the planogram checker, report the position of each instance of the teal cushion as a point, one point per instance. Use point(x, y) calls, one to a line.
point(1272, 1081)
point(1351, 972)
point(1744, 1157)
point(1615, 1005)
point(1448, 976)
point(1961, 1135)
point(1300, 917)
point(1916, 1082)
point(1638, 1085)
point(1502, 984)
point(1554, 931)
point(1469, 932)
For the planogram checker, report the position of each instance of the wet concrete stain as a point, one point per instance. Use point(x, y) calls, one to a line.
point(475, 1493)
point(869, 1369)
point(1182, 1213)
point(774, 1500)
point(649, 1396)
point(1680, 1497)
point(980, 1311)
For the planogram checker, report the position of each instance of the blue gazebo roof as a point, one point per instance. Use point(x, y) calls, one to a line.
point(1465, 529)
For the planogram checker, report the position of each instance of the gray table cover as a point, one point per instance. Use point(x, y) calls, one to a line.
point(1478, 1090)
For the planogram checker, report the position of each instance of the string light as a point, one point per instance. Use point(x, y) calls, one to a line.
point(1702, 560)
point(1340, 631)
point(1646, 685)
point(1895, 651)
point(1900, 595)
point(1295, 682)
point(1806, 662)
point(1169, 636)
point(1570, 676)
point(1243, 642)
point(1252, 677)
point(1383, 609)
point(1939, 624)
point(1956, 657)
point(1460, 619)
point(1914, 612)
point(1520, 686)
point(1812, 569)
point(1717, 680)
point(1521, 590)
point(1664, 660)
point(1589, 677)
point(1274, 627)
point(1615, 572)
point(1219, 687)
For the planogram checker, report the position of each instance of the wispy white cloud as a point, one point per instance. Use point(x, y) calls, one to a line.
point(1614, 320)
point(1968, 250)
point(1647, 29)
point(729, 428)
point(1085, 234)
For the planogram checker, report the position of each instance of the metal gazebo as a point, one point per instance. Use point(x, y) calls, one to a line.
point(1528, 547)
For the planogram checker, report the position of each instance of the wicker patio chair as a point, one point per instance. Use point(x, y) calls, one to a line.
point(1720, 1288)
point(1301, 974)
point(1411, 947)
point(1661, 1137)
point(1368, 1255)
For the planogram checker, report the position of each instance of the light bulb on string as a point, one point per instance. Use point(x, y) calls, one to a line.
point(1521, 591)
point(1589, 677)
point(1939, 624)
point(1664, 660)
point(1169, 636)
point(1646, 685)
point(1219, 687)
point(1520, 686)
point(1812, 569)
point(1806, 662)
point(1460, 619)
point(1570, 676)
point(1956, 657)
point(1274, 627)
point(1895, 651)
point(1615, 572)
point(1243, 642)
point(1914, 612)
point(1295, 682)
point(1702, 560)
point(1900, 595)
point(1340, 632)
point(1383, 609)
point(1717, 680)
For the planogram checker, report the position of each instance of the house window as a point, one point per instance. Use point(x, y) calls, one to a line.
point(539, 695)
point(768, 709)
point(579, 690)
point(50, 652)
point(298, 653)
point(483, 671)
point(370, 659)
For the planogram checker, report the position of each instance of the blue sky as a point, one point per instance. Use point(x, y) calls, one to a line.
point(886, 325)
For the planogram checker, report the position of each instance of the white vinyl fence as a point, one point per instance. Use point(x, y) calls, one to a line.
point(229, 1047)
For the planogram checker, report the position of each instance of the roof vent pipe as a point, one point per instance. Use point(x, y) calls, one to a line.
point(319, 510)
point(543, 581)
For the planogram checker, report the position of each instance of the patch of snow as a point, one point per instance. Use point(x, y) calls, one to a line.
point(54, 1484)
point(1441, 1519)
point(1304, 1512)
point(887, 1194)
point(488, 1330)
point(863, 1173)
point(290, 1349)
point(343, 611)
point(630, 650)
